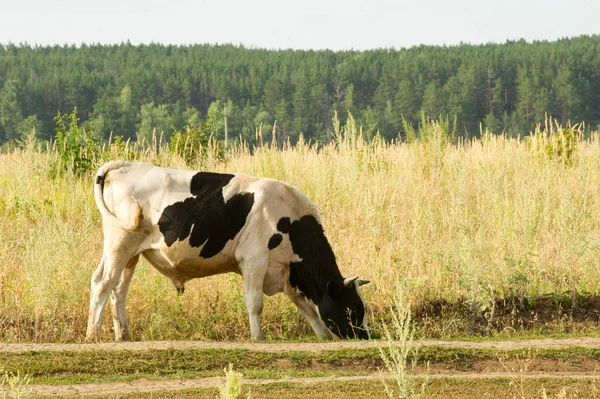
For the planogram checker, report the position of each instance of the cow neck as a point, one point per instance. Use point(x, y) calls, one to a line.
point(317, 265)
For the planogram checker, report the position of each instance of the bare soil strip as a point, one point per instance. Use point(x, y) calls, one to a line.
point(546, 343)
point(212, 382)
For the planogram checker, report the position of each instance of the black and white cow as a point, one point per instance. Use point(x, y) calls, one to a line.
point(195, 224)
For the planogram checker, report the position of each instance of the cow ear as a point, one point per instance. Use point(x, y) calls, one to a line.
point(363, 282)
point(332, 289)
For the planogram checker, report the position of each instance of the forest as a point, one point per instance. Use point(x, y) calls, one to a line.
point(133, 90)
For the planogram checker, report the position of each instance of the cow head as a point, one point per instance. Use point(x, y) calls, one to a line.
point(343, 309)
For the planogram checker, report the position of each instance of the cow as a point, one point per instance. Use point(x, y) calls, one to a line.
point(191, 224)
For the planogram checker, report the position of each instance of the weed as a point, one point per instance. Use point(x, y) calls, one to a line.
point(517, 382)
point(232, 386)
point(13, 385)
point(399, 335)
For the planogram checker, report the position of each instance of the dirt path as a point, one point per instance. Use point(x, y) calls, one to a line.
point(546, 343)
point(212, 382)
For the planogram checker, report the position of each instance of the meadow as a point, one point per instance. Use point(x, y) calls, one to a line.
point(488, 236)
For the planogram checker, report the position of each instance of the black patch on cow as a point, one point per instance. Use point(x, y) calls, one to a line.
point(275, 240)
point(206, 218)
point(99, 179)
point(318, 265)
point(284, 225)
point(320, 280)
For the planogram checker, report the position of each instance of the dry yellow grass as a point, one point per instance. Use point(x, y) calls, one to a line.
point(476, 220)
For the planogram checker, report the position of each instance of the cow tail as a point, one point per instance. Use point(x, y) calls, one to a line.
point(137, 215)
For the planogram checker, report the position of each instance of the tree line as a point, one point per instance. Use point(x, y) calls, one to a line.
point(132, 90)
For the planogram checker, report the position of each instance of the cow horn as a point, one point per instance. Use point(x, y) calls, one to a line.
point(349, 280)
point(363, 282)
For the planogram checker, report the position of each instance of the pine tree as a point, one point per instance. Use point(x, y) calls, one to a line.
point(10, 111)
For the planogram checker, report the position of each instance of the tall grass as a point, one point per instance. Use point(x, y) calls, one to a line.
point(467, 222)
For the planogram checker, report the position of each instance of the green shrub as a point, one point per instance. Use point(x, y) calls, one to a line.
point(77, 147)
point(191, 144)
point(555, 141)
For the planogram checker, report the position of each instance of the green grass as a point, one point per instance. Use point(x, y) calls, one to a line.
point(120, 366)
point(100, 366)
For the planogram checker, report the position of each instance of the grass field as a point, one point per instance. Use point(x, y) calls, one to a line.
point(449, 372)
point(90, 366)
point(491, 236)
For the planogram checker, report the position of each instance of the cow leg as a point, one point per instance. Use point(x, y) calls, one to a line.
point(253, 276)
point(117, 300)
point(308, 311)
point(96, 279)
point(104, 280)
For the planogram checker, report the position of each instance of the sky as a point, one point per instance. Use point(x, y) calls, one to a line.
point(298, 24)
